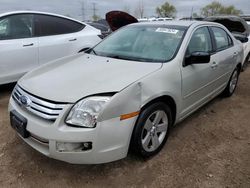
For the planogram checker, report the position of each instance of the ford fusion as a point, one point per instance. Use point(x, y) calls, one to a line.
point(125, 93)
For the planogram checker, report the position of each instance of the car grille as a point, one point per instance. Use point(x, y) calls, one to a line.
point(40, 107)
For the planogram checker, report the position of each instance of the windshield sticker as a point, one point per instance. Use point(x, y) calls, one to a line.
point(167, 30)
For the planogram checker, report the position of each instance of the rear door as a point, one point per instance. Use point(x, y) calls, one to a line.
point(18, 47)
point(58, 37)
point(225, 56)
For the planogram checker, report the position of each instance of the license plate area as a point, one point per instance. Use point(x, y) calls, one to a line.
point(19, 123)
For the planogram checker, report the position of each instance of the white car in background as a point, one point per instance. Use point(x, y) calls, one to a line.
point(29, 39)
point(164, 19)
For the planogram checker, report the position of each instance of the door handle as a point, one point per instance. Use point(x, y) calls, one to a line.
point(214, 65)
point(26, 45)
point(235, 54)
point(71, 40)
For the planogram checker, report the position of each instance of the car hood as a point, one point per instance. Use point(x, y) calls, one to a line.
point(234, 24)
point(72, 78)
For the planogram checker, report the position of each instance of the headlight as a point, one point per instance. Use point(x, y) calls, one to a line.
point(85, 112)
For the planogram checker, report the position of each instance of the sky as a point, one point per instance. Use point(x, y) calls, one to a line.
point(73, 8)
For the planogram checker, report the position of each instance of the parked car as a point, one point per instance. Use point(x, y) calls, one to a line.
point(246, 18)
point(29, 39)
point(192, 18)
point(105, 30)
point(143, 20)
point(126, 92)
point(240, 30)
point(164, 19)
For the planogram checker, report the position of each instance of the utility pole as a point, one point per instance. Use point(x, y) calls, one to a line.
point(191, 16)
point(94, 12)
point(94, 9)
point(83, 11)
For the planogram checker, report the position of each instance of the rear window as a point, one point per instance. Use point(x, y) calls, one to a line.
point(222, 39)
point(51, 25)
point(16, 27)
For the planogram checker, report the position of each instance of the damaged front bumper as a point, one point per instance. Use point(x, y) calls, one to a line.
point(109, 141)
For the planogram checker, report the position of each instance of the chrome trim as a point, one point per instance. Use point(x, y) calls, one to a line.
point(39, 139)
point(42, 108)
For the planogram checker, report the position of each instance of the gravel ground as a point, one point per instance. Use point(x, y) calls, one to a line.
point(211, 148)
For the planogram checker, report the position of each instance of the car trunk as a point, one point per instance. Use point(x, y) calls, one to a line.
point(118, 19)
point(236, 25)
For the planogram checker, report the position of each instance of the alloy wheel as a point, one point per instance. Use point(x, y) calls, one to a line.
point(154, 130)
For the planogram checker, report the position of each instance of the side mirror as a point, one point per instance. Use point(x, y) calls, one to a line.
point(197, 58)
point(242, 39)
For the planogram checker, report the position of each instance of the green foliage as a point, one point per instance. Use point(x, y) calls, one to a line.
point(166, 10)
point(96, 18)
point(216, 8)
point(195, 15)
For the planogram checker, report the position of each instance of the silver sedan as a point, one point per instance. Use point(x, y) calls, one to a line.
point(125, 93)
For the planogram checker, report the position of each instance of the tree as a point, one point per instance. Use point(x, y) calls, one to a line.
point(195, 15)
point(126, 9)
point(216, 8)
point(166, 10)
point(139, 10)
point(96, 17)
point(231, 10)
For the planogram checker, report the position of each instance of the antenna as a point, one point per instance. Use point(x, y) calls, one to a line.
point(191, 16)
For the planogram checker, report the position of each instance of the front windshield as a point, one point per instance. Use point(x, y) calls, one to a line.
point(146, 43)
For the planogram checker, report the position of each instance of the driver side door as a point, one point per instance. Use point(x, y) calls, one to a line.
point(198, 80)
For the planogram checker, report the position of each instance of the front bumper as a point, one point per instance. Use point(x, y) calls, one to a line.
point(110, 139)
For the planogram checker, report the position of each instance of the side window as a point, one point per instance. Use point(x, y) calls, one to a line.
point(230, 40)
point(52, 25)
point(200, 41)
point(16, 27)
point(222, 39)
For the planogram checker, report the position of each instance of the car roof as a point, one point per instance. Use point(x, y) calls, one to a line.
point(183, 23)
point(38, 12)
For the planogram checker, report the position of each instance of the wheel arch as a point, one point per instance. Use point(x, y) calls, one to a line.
point(239, 67)
point(167, 100)
point(245, 62)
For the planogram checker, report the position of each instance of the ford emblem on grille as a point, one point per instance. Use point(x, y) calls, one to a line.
point(25, 101)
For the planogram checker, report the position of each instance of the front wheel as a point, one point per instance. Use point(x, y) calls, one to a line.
point(151, 130)
point(232, 84)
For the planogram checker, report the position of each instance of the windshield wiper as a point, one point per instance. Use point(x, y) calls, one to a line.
point(141, 59)
point(94, 52)
point(118, 57)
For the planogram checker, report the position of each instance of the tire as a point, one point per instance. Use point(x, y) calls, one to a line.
point(151, 130)
point(232, 84)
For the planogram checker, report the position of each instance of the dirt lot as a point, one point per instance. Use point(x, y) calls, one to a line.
point(209, 149)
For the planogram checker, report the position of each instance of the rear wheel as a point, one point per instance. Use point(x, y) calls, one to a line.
point(232, 84)
point(244, 67)
point(151, 130)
